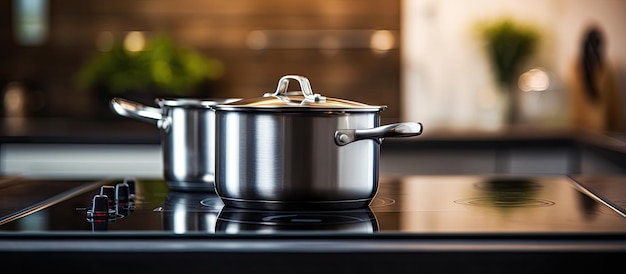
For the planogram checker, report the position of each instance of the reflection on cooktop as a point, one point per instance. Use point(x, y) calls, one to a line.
point(501, 204)
point(407, 204)
point(517, 192)
point(233, 220)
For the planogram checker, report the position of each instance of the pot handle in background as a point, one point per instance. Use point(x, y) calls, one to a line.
point(135, 110)
point(346, 136)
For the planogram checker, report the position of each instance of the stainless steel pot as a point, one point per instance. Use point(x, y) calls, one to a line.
point(300, 150)
point(187, 129)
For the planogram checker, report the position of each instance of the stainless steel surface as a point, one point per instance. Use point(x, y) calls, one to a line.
point(275, 160)
point(135, 110)
point(305, 86)
point(189, 148)
point(279, 154)
point(187, 129)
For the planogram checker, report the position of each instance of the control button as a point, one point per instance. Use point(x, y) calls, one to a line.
point(122, 198)
point(122, 194)
point(122, 211)
point(113, 203)
point(132, 188)
point(109, 191)
point(100, 211)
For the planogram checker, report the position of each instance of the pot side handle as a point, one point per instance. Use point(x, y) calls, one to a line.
point(408, 129)
point(135, 110)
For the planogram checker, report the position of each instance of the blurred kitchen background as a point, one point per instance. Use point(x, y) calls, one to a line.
point(428, 61)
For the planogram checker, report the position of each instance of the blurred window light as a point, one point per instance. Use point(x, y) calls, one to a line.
point(330, 45)
point(30, 21)
point(256, 40)
point(535, 79)
point(104, 41)
point(14, 100)
point(330, 42)
point(382, 40)
point(134, 41)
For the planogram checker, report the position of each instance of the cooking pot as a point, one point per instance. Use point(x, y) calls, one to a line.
point(187, 129)
point(300, 150)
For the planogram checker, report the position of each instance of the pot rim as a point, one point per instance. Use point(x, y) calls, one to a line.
point(297, 109)
point(193, 102)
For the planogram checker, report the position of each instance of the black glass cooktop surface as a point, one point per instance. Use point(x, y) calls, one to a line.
point(405, 205)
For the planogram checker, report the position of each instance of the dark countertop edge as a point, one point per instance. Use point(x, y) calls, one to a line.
point(338, 254)
point(312, 243)
point(521, 137)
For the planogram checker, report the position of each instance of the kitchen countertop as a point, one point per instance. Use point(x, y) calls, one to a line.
point(121, 130)
point(78, 131)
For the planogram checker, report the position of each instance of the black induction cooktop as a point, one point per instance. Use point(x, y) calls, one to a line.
point(403, 205)
point(415, 224)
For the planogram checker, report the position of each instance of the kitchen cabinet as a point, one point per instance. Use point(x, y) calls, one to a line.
point(544, 153)
point(437, 161)
point(481, 161)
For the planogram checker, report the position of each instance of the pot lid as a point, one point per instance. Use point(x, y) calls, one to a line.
point(305, 100)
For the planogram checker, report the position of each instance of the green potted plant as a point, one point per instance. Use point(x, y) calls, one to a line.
point(508, 44)
point(160, 69)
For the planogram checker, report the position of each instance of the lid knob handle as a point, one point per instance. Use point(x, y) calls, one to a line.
point(305, 86)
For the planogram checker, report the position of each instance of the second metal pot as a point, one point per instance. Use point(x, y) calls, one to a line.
point(300, 151)
point(187, 129)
